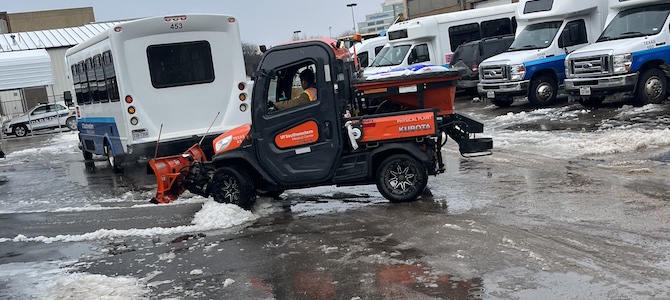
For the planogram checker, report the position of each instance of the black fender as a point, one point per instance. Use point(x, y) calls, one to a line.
point(245, 158)
point(411, 149)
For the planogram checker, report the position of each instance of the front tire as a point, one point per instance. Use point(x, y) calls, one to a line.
point(651, 88)
point(233, 186)
point(543, 90)
point(401, 178)
point(20, 130)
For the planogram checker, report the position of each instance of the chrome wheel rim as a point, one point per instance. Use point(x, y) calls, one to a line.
point(653, 88)
point(401, 178)
point(544, 91)
point(230, 189)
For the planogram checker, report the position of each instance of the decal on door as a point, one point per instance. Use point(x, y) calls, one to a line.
point(303, 134)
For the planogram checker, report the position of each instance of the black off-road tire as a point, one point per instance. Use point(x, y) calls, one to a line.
point(233, 186)
point(401, 178)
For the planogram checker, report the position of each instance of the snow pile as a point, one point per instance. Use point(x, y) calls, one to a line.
point(407, 71)
point(60, 143)
point(54, 280)
point(213, 215)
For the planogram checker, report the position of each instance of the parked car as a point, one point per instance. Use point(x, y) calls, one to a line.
point(42, 116)
point(471, 54)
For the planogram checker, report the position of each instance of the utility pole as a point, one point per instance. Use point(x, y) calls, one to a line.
point(353, 20)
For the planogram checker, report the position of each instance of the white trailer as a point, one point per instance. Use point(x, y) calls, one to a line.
point(631, 57)
point(433, 39)
point(166, 76)
point(533, 66)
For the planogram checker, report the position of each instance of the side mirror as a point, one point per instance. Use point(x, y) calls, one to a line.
point(412, 57)
point(262, 48)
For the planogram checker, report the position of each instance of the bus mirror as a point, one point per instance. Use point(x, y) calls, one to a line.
point(67, 97)
point(262, 48)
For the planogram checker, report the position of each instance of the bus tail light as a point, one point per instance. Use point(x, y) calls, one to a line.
point(129, 99)
point(241, 86)
point(131, 110)
point(243, 97)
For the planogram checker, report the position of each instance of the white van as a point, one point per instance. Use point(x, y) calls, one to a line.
point(433, 39)
point(367, 50)
point(534, 64)
point(632, 56)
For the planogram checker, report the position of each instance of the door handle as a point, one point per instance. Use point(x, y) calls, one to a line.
point(328, 130)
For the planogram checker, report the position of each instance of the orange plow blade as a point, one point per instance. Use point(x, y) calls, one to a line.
point(170, 172)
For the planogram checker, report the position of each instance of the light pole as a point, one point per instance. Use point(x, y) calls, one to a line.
point(296, 35)
point(330, 31)
point(352, 14)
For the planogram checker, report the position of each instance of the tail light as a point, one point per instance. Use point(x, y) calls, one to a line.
point(78, 114)
point(129, 99)
point(447, 58)
point(475, 68)
point(241, 86)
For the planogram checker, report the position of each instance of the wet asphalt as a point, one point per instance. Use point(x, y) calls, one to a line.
point(512, 225)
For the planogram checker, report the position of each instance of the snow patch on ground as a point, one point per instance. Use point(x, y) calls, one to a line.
point(56, 280)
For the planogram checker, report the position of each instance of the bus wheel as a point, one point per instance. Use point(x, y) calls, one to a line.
point(20, 130)
point(591, 102)
point(401, 178)
point(542, 91)
point(651, 88)
point(71, 123)
point(233, 186)
point(114, 162)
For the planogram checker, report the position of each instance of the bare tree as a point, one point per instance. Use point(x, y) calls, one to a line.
point(252, 57)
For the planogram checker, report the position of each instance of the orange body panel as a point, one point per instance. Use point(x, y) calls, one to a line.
point(303, 134)
point(398, 127)
point(170, 170)
point(441, 98)
point(238, 135)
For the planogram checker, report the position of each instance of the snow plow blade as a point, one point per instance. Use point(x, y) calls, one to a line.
point(171, 171)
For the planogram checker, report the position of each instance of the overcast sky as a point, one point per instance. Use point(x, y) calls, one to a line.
point(266, 22)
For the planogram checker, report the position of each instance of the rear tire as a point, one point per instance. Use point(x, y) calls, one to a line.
point(543, 90)
point(401, 178)
point(20, 130)
point(71, 123)
point(233, 186)
point(114, 162)
point(651, 88)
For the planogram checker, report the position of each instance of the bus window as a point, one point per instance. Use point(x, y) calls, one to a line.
point(92, 83)
point(100, 78)
point(462, 34)
point(172, 65)
point(110, 76)
point(496, 27)
point(76, 83)
point(85, 97)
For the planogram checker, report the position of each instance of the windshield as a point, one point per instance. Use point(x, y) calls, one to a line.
point(391, 56)
point(636, 22)
point(467, 53)
point(536, 36)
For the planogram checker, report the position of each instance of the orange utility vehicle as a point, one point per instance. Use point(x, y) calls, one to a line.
point(386, 132)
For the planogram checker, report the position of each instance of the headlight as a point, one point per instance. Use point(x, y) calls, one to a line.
point(222, 144)
point(517, 72)
point(622, 63)
point(566, 66)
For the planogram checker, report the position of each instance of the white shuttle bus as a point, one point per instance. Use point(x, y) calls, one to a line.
point(166, 76)
point(631, 57)
point(534, 64)
point(433, 39)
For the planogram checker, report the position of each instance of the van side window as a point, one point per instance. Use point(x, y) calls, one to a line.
point(378, 48)
point(573, 34)
point(421, 53)
point(363, 59)
point(497, 27)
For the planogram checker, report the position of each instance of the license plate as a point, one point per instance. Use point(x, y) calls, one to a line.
point(490, 94)
point(585, 91)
